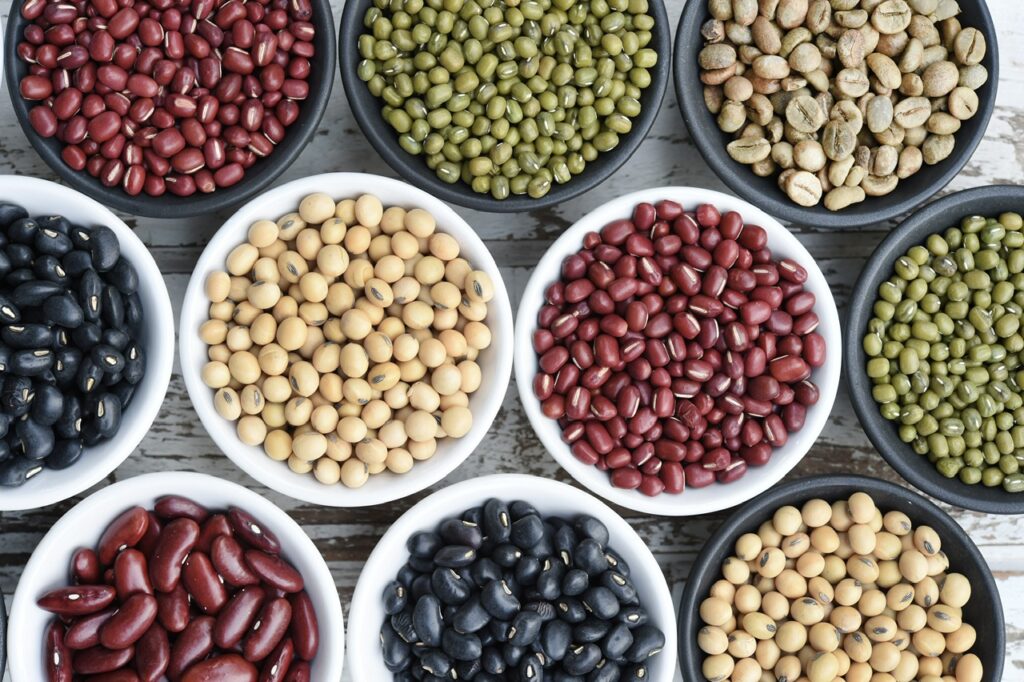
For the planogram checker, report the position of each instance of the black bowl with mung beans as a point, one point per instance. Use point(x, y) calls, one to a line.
point(936, 349)
point(836, 115)
point(505, 106)
point(845, 568)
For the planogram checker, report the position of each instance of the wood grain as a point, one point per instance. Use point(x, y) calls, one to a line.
point(667, 157)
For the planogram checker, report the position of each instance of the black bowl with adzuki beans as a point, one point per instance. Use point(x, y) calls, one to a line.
point(169, 109)
point(679, 340)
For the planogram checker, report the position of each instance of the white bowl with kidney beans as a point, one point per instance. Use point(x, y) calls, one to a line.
point(43, 198)
point(597, 423)
point(548, 498)
point(84, 527)
point(495, 361)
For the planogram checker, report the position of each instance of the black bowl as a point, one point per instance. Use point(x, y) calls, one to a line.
point(984, 610)
point(3, 634)
point(935, 217)
point(382, 136)
point(257, 178)
point(765, 192)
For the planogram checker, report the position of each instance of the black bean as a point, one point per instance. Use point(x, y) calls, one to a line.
point(527, 531)
point(619, 585)
point(5, 424)
point(605, 672)
point(590, 630)
point(420, 586)
point(633, 616)
point(513, 654)
point(647, 641)
point(471, 617)
point(474, 515)
point(589, 527)
point(580, 660)
point(66, 365)
point(616, 562)
point(460, 532)
point(5, 263)
point(35, 292)
point(549, 582)
point(87, 335)
point(422, 565)
point(48, 404)
point(483, 571)
point(402, 623)
point(36, 441)
point(455, 556)
point(499, 601)
point(81, 237)
point(16, 278)
point(531, 668)
point(424, 545)
point(51, 242)
point(90, 288)
point(506, 555)
point(396, 597)
point(17, 396)
point(17, 470)
point(57, 223)
point(65, 453)
point(449, 586)
point(133, 315)
point(11, 212)
point(124, 277)
point(519, 509)
point(31, 363)
point(5, 451)
point(461, 647)
point(104, 247)
point(492, 661)
point(397, 655)
point(76, 262)
point(9, 313)
point(616, 642)
point(5, 358)
point(117, 338)
point(575, 582)
point(50, 269)
point(564, 541)
point(89, 376)
point(29, 336)
point(406, 575)
point(23, 231)
point(435, 663)
point(108, 358)
point(590, 557)
point(112, 307)
point(601, 602)
point(64, 310)
point(497, 523)
point(426, 620)
point(106, 415)
point(555, 638)
point(469, 670)
point(571, 610)
point(525, 628)
point(527, 570)
point(20, 256)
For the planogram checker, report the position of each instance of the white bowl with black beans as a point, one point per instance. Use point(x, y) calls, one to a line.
point(77, 405)
point(569, 557)
point(346, 339)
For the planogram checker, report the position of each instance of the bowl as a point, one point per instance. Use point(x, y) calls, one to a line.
point(382, 136)
point(41, 197)
point(984, 610)
point(765, 192)
point(3, 634)
point(82, 526)
point(550, 497)
point(693, 501)
point(257, 178)
point(884, 435)
point(495, 361)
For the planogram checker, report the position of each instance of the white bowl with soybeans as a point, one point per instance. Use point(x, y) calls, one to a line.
point(346, 339)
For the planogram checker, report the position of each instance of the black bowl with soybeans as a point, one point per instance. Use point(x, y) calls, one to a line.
point(343, 337)
point(841, 577)
point(935, 336)
point(836, 113)
point(505, 106)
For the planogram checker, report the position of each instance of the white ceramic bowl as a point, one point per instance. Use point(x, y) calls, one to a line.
point(83, 525)
point(495, 361)
point(550, 498)
point(715, 497)
point(41, 197)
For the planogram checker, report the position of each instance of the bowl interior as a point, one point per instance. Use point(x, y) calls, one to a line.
point(83, 525)
point(715, 497)
point(261, 174)
point(41, 197)
point(495, 361)
point(983, 611)
point(367, 110)
point(550, 498)
point(765, 192)
point(933, 218)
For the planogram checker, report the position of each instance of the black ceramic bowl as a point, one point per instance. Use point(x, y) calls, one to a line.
point(258, 177)
point(382, 136)
point(935, 217)
point(984, 610)
point(765, 192)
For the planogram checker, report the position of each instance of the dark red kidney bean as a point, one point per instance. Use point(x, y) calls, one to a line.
point(275, 667)
point(79, 600)
point(268, 630)
point(305, 629)
point(85, 567)
point(201, 581)
point(214, 527)
point(175, 506)
point(299, 672)
point(131, 575)
point(274, 571)
point(173, 609)
point(57, 654)
point(194, 644)
point(153, 654)
point(151, 536)
point(101, 660)
point(84, 632)
point(176, 541)
point(235, 619)
point(226, 667)
point(130, 622)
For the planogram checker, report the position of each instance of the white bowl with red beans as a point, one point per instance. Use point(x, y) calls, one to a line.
point(261, 572)
point(677, 351)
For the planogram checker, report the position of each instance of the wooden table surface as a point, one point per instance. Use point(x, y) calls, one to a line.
point(177, 440)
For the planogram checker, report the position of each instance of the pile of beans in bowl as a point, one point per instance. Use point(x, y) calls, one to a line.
point(70, 351)
point(182, 593)
point(505, 593)
point(838, 590)
point(675, 350)
point(161, 97)
point(343, 338)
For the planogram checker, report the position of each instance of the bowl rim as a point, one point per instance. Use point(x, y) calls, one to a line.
point(700, 124)
point(168, 206)
point(383, 563)
point(160, 350)
point(252, 459)
point(145, 487)
point(709, 559)
point(783, 460)
point(366, 109)
point(881, 432)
